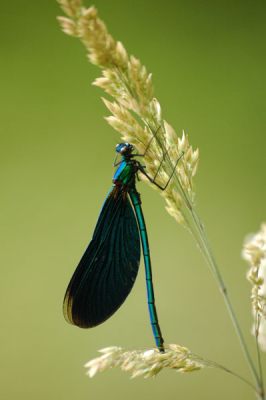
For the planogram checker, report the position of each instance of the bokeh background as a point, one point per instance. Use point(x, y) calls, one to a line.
point(208, 63)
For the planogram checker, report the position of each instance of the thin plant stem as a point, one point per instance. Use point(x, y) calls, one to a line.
point(214, 267)
point(219, 366)
point(257, 325)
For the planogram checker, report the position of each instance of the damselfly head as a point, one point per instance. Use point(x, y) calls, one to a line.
point(125, 149)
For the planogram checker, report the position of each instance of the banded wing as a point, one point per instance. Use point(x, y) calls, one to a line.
point(108, 269)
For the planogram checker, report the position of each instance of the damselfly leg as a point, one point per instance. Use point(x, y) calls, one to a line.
point(153, 180)
point(142, 167)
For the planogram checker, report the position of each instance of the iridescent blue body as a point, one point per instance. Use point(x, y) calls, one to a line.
point(107, 271)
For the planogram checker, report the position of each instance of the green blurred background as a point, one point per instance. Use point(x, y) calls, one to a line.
point(208, 63)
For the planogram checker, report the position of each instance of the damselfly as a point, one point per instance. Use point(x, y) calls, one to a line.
point(108, 269)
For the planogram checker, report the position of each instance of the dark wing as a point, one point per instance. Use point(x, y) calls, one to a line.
point(108, 269)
